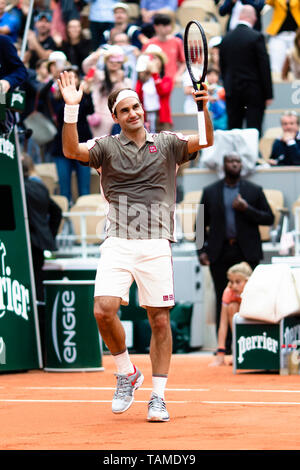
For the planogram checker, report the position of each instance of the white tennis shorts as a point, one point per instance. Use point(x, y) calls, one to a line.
point(148, 262)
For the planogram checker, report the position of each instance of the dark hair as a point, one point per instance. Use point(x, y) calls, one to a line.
point(27, 164)
point(211, 70)
point(161, 19)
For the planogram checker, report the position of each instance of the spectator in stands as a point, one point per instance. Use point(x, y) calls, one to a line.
point(10, 22)
point(122, 25)
point(76, 46)
point(234, 7)
point(150, 8)
point(171, 45)
point(217, 102)
point(234, 208)
point(154, 91)
point(286, 150)
point(282, 29)
point(292, 60)
point(214, 52)
point(131, 52)
point(238, 276)
point(63, 12)
point(40, 41)
point(245, 72)
point(64, 166)
point(12, 70)
point(42, 71)
point(101, 18)
point(102, 82)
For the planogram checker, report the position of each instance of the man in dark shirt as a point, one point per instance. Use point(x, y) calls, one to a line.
point(234, 208)
point(286, 150)
point(12, 70)
point(40, 42)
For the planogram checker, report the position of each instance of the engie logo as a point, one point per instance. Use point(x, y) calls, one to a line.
point(2, 351)
point(14, 297)
point(63, 326)
point(256, 342)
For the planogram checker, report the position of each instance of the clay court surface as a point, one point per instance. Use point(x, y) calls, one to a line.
point(210, 409)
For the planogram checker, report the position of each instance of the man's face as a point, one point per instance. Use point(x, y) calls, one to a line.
point(120, 15)
point(163, 29)
point(232, 165)
point(290, 124)
point(43, 26)
point(130, 114)
point(2, 6)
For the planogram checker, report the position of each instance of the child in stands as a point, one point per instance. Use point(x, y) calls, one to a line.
point(238, 276)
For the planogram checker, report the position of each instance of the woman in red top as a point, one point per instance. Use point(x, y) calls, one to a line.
point(238, 276)
point(154, 90)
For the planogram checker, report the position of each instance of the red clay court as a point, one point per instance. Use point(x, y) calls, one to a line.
point(210, 409)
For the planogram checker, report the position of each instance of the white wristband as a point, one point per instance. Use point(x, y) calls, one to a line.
point(71, 113)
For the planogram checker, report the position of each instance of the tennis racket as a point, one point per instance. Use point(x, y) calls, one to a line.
point(196, 57)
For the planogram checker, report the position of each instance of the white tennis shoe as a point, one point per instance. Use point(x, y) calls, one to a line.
point(124, 394)
point(157, 411)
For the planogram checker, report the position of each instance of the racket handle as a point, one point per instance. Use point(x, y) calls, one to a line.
point(202, 128)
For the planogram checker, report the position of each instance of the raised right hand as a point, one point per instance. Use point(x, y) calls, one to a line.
point(68, 88)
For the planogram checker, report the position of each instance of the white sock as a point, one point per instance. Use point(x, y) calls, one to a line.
point(159, 383)
point(123, 363)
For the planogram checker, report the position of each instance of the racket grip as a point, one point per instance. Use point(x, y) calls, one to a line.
point(202, 128)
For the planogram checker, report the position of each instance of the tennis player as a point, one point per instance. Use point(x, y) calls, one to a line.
point(138, 179)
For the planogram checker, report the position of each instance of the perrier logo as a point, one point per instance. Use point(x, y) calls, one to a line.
point(14, 297)
point(255, 342)
point(7, 148)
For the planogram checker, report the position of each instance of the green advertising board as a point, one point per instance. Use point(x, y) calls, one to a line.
point(19, 332)
point(72, 340)
point(257, 345)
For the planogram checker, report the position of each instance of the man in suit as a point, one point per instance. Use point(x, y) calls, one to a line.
point(233, 7)
point(233, 210)
point(286, 149)
point(246, 73)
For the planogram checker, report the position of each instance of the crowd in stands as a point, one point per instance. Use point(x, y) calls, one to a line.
point(109, 47)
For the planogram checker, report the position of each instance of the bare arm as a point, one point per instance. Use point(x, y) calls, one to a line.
point(71, 146)
point(193, 142)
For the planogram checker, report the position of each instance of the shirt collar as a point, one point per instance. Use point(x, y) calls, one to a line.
point(124, 139)
point(246, 23)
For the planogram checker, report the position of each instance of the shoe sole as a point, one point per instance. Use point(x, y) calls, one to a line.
point(137, 385)
point(155, 419)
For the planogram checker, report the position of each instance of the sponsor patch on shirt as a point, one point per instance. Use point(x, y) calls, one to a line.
point(168, 297)
point(152, 149)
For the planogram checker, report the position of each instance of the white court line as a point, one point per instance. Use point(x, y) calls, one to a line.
point(113, 388)
point(251, 403)
point(263, 391)
point(204, 402)
point(22, 400)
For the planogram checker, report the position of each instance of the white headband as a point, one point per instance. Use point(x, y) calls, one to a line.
point(124, 94)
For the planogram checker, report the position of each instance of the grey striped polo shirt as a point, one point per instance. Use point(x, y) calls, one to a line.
point(139, 185)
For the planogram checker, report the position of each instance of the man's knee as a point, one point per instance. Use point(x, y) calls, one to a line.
point(105, 309)
point(159, 319)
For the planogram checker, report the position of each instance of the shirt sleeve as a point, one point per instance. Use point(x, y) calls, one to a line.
point(176, 144)
point(97, 151)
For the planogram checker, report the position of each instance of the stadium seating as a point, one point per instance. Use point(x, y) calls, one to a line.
point(187, 212)
point(275, 199)
point(63, 203)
